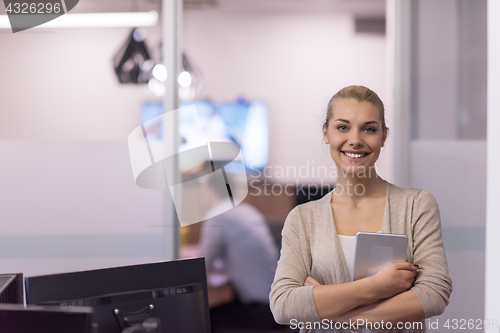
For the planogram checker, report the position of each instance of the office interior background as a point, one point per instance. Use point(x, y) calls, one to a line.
point(68, 200)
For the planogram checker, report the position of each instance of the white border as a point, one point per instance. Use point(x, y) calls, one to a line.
point(492, 285)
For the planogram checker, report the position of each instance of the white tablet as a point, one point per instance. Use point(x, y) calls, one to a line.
point(375, 251)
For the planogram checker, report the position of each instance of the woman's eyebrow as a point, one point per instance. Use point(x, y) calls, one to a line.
point(348, 122)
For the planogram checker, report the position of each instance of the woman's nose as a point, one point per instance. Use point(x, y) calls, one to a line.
point(355, 140)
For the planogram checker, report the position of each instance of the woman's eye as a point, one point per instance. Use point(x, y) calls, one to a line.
point(370, 129)
point(342, 128)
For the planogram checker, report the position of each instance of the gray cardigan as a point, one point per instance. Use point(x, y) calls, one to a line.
point(311, 247)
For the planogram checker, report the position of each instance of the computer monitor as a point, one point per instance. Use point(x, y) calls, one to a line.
point(175, 292)
point(15, 318)
point(11, 289)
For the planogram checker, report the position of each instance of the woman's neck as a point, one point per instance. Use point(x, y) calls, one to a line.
point(357, 186)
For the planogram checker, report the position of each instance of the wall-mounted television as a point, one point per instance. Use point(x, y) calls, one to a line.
point(244, 123)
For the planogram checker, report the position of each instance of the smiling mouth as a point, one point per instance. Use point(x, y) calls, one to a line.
point(354, 155)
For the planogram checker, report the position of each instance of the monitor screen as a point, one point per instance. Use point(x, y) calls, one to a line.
point(244, 123)
point(173, 293)
point(11, 288)
point(18, 319)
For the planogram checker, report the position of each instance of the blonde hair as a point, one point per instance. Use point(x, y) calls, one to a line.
point(360, 94)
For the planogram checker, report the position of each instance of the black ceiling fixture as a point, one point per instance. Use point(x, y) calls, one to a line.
point(133, 63)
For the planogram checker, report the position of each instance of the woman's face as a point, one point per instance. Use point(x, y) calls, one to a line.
point(355, 135)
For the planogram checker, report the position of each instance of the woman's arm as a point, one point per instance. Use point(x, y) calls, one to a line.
point(291, 299)
point(404, 307)
point(433, 285)
point(333, 301)
point(430, 293)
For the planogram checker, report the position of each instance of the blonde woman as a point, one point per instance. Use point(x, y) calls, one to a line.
point(312, 288)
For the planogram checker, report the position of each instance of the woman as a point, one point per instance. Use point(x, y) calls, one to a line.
point(312, 288)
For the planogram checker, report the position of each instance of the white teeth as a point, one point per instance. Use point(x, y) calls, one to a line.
point(354, 155)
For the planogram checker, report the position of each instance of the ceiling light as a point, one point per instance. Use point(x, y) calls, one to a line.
point(184, 79)
point(160, 72)
point(156, 87)
point(95, 20)
point(190, 80)
point(133, 62)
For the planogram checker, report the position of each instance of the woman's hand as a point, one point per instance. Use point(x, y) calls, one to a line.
point(393, 279)
point(310, 281)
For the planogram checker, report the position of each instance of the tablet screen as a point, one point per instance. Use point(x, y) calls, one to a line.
point(375, 251)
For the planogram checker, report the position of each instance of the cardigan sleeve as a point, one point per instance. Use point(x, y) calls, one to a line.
point(289, 298)
point(432, 284)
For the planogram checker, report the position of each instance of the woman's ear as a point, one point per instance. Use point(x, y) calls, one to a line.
point(384, 135)
point(325, 137)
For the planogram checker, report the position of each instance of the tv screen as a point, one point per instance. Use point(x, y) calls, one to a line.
point(244, 123)
point(171, 295)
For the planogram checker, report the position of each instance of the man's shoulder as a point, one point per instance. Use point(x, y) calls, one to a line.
point(240, 212)
point(314, 205)
point(245, 208)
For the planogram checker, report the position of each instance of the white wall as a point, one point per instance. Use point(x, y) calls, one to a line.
point(60, 85)
point(438, 72)
point(293, 62)
point(450, 87)
point(440, 160)
point(68, 197)
point(457, 181)
point(70, 206)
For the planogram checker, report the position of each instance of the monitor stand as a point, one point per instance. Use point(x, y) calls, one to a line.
point(139, 321)
point(150, 325)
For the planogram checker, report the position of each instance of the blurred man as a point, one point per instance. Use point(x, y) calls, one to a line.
point(241, 242)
